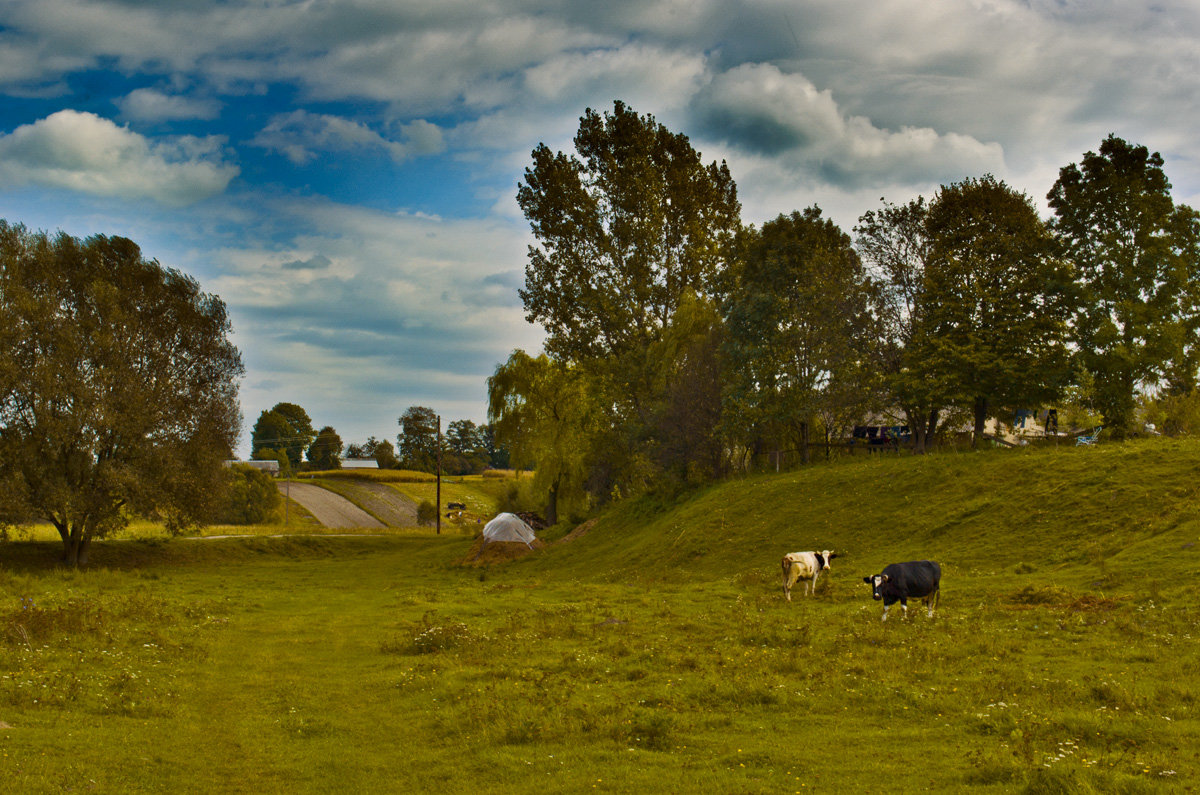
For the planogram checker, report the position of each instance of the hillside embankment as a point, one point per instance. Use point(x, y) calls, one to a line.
point(1117, 513)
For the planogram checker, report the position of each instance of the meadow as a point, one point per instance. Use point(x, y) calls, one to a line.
point(654, 653)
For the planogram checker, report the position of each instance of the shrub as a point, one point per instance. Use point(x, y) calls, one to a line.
point(426, 513)
point(251, 497)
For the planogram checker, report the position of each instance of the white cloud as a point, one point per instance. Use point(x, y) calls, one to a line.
point(300, 135)
point(766, 112)
point(87, 153)
point(151, 105)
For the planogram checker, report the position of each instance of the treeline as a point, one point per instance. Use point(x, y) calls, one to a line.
point(285, 434)
point(681, 345)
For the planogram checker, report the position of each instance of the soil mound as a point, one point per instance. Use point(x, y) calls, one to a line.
point(485, 553)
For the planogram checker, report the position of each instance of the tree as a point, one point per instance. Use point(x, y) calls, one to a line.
point(379, 449)
point(687, 424)
point(996, 300)
point(326, 450)
point(251, 497)
point(623, 231)
point(800, 322)
point(1135, 253)
point(543, 412)
point(118, 387)
point(418, 439)
point(285, 427)
point(466, 448)
point(893, 243)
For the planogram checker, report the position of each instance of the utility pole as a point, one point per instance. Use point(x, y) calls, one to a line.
point(438, 498)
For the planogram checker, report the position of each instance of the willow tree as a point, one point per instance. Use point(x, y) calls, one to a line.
point(544, 413)
point(118, 387)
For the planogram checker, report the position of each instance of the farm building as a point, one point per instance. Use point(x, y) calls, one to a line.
point(359, 463)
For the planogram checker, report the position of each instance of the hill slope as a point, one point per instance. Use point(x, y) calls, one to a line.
point(1118, 513)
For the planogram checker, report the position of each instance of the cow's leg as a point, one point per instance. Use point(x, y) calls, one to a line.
point(885, 609)
point(789, 579)
point(815, 577)
point(904, 604)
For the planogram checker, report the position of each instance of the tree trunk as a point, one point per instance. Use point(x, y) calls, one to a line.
point(981, 407)
point(76, 542)
point(805, 453)
point(552, 505)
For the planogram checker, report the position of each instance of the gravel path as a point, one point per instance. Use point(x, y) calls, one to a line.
point(331, 510)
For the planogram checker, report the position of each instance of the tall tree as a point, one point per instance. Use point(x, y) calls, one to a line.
point(286, 427)
point(893, 243)
point(800, 321)
point(1135, 253)
point(544, 413)
point(623, 231)
point(625, 227)
point(996, 299)
point(118, 387)
point(418, 440)
point(326, 450)
point(686, 428)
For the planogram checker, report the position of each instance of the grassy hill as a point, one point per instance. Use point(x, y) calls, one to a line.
point(1128, 512)
point(655, 653)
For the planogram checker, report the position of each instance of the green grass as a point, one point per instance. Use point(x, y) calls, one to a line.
point(655, 653)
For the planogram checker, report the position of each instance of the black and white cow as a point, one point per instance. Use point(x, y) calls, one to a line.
point(919, 579)
point(805, 566)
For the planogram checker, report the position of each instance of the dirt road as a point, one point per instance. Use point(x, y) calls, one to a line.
point(395, 509)
point(331, 510)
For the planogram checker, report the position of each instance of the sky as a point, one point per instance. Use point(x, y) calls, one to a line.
point(343, 174)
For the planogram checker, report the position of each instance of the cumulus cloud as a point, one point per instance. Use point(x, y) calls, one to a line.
point(759, 108)
point(301, 135)
point(152, 105)
point(87, 153)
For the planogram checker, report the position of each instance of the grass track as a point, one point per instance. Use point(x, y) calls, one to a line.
point(653, 654)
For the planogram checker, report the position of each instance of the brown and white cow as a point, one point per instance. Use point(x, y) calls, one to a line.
point(805, 566)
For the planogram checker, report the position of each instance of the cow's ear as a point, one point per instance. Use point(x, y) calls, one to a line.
point(867, 580)
point(887, 578)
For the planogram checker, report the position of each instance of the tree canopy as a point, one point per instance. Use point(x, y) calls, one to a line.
point(995, 303)
point(623, 231)
point(118, 387)
point(326, 450)
point(800, 326)
point(417, 443)
point(284, 428)
point(1136, 255)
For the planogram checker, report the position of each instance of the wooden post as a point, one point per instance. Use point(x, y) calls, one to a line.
point(438, 498)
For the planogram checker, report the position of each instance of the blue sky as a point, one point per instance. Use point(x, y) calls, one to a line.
point(343, 173)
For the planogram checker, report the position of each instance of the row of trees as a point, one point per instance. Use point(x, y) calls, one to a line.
point(285, 433)
point(681, 344)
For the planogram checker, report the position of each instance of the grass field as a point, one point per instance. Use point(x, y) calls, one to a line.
point(655, 653)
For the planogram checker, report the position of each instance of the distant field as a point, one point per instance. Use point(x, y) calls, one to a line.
point(653, 654)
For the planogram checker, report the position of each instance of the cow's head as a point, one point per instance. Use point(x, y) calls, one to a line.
point(826, 556)
point(876, 582)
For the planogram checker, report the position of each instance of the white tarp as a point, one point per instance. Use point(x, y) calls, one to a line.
point(509, 527)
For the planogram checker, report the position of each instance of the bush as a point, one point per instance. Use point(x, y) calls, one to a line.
point(426, 513)
point(1176, 415)
point(251, 497)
